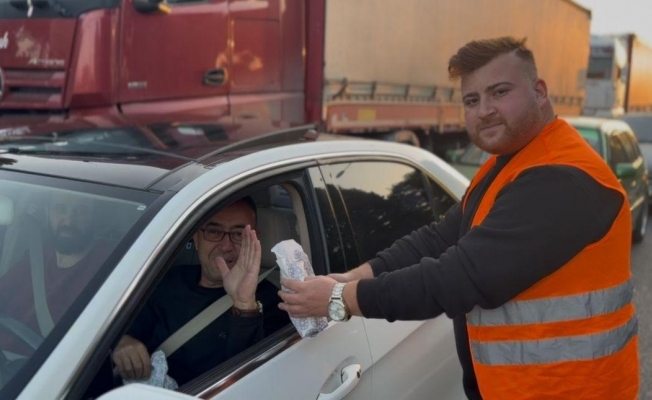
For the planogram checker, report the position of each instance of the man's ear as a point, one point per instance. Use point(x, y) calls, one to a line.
point(541, 90)
point(195, 236)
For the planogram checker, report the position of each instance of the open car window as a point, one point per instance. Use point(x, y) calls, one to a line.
point(226, 341)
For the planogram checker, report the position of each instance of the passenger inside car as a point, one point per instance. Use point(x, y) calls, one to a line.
point(187, 290)
point(53, 265)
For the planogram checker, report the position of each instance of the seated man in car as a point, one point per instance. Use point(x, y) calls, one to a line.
point(229, 264)
point(63, 260)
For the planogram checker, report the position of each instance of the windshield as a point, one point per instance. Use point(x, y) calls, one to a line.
point(593, 137)
point(123, 142)
point(473, 155)
point(10, 9)
point(56, 237)
point(599, 68)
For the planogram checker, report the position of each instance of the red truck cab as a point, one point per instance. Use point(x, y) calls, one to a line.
point(237, 62)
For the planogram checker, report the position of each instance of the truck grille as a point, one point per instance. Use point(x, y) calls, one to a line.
point(33, 90)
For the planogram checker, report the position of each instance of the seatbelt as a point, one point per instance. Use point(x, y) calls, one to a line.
point(201, 321)
point(43, 316)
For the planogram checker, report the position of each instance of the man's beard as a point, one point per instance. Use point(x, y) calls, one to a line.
point(74, 242)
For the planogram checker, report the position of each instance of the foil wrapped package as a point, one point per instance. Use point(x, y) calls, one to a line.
point(294, 264)
point(159, 376)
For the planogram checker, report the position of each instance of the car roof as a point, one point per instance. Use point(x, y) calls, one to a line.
point(641, 124)
point(604, 124)
point(159, 157)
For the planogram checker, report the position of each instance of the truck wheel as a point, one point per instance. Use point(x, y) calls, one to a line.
point(641, 224)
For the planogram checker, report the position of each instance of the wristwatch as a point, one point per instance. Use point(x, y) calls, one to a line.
point(238, 312)
point(337, 308)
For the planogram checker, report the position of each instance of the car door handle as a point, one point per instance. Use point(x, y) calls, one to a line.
point(215, 77)
point(350, 378)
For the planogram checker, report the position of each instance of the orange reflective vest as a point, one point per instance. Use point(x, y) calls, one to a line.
point(573, 334)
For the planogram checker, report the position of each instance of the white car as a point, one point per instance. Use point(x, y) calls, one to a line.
point(341, 199)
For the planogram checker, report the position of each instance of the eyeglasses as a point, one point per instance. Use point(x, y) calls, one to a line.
point(217, 235)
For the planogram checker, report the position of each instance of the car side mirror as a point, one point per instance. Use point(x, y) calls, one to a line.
point(151, 6)
point(625, 170)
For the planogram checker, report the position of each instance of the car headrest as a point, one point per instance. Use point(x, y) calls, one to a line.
point(274, 225)
point(6, 210)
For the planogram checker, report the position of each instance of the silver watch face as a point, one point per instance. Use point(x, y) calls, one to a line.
point(336, 311)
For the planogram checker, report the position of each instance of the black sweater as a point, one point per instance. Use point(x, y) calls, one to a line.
point(538, 223)
point(178, 299)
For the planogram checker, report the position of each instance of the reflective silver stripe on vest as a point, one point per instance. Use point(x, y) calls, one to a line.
point(585, 305)
point(572, 348)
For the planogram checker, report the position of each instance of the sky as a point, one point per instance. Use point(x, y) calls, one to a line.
point(621, 16)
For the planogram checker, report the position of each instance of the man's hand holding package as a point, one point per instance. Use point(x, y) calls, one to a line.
point(131, 359)
point(310, 298)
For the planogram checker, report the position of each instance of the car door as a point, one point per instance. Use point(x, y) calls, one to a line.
point(334, 364)
point(319, 367)
point(381, 202)
point(175, 55)
point(622, 154)
point(638, 163)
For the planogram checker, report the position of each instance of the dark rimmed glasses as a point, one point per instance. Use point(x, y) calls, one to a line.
point(217, 235)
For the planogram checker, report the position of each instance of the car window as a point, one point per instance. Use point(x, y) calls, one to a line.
point(618, 154)
point(57, 239)
point(593, 138)
point(630, 146)
point(337, 261)
point(441, 200)
point(384, 202)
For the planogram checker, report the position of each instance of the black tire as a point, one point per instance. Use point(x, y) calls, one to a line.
point(641, 224)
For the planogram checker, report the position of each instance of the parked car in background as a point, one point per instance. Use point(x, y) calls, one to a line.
point(467, 160)
point(614, 140)
point(151, 194)
point(641, 124)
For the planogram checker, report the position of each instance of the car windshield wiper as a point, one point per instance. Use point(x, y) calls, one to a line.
point(23, 138)
point(29, 6)
point(133, 151)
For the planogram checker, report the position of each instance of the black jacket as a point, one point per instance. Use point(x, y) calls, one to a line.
point(178, 299)
point(538, 223)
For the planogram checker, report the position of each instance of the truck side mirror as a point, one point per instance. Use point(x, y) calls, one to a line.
point(150, 6)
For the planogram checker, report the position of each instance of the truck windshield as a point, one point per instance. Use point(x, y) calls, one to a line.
point(18, 9)
point(599, 68)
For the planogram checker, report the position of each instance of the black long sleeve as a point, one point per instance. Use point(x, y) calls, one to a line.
point(178, 299)
point(428, 241)
point(537, 224)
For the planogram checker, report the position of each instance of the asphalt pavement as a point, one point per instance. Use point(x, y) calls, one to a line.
point(642, 271)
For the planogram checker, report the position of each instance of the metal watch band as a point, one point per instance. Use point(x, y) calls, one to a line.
point(338, 290)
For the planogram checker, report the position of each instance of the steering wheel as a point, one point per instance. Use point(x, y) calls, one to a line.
point(21, 331)
point(9, 367)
